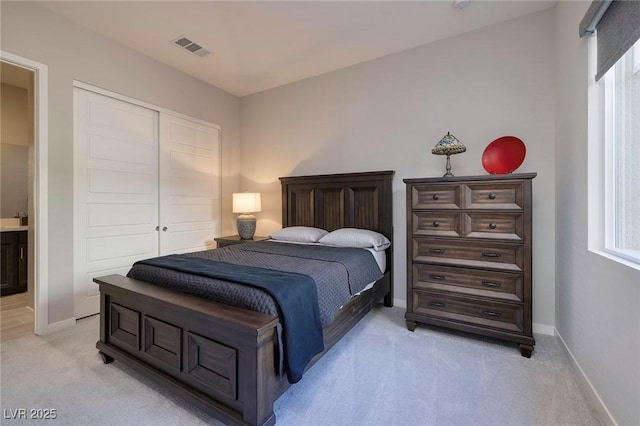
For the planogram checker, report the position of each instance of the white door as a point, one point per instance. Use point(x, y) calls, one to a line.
point(189, 185)
point(115, 191)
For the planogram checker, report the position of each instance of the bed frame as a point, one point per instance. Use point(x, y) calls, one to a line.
point(222, 358)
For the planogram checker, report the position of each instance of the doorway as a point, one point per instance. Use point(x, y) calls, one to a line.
point(24, 196)
point(16, 200)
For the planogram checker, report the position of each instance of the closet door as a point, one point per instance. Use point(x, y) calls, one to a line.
point(115, 191)
point(189, 185)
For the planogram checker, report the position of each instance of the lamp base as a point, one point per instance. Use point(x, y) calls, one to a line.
point(448, 168)
point(246, 224)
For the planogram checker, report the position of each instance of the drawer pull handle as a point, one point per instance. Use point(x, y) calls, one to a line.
point(436, 197)
point(21, 253)
point(493, 225)
point(492, 196)
point(436, 223)
point(492, 314)
point(437, 277)
point(437, 304)
point(491, 284)
point(491, 254)
point(437, 251)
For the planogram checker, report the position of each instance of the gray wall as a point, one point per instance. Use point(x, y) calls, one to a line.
point(72, 52)
point(389, 113)
point(597, 299)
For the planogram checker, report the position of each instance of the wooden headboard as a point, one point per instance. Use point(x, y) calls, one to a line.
point(347, 200)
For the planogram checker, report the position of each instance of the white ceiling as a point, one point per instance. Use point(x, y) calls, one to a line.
point(258, 45)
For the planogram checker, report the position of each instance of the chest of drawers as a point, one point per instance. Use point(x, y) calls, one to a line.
point(469, 255)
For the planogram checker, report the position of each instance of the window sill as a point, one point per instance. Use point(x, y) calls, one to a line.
point(612, 256)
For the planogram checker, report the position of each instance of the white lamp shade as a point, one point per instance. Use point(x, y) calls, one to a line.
point(246, 202)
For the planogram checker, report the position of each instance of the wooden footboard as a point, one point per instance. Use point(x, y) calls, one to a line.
point(218, 357)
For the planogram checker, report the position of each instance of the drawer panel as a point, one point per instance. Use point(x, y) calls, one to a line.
point(506, 226)
point(445, 224)
point(436, 196)
point(507, 256)
point(472, 282)
point(498, 315)
point(124, 327)
point(163, 342)
point(494, 196)
point(212, 364)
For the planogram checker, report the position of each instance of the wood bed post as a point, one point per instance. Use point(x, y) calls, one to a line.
point(260, 383)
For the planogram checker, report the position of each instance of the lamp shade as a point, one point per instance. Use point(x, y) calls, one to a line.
point(247, 202)
point(448, 145)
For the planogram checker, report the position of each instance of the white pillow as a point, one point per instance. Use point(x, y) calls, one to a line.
point(353, 237)
point(299, 234)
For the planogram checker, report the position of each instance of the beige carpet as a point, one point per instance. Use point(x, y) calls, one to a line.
point(379, 374)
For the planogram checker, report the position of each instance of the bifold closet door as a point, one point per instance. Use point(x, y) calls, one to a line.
point(115, 191)
point(189, 185)
point(146, 183)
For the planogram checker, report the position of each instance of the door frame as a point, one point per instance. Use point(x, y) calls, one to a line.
point(40, 189)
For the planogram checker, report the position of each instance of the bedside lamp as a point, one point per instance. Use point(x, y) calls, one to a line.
point(245, 203)
point(448, 146)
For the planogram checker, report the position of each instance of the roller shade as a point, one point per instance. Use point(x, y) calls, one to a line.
point(617, 25)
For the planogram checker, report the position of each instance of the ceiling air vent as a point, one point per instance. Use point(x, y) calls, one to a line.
point(191, 46)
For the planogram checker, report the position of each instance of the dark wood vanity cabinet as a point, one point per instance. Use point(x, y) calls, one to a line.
point(13, 257)
point(469, 255)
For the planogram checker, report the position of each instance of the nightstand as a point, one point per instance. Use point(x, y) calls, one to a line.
point(235, 239)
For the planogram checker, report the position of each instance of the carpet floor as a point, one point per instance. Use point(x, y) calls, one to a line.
point(378, 374)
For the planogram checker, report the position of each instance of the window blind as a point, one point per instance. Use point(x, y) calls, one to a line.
point(617, 25)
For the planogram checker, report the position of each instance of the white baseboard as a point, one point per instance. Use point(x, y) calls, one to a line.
point(400, 303)
point(549, 330)
point(60, 325)
point(599, 404)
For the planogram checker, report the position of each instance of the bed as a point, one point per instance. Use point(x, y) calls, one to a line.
point(222, 358)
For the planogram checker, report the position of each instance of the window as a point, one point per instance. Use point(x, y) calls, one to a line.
point(622, 157)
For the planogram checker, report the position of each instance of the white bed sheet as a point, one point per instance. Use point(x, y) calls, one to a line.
point(379, 256)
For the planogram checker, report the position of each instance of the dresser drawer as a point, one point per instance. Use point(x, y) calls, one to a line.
point(494, 196)
point(505, 226)
point(471, 282)
point(445, 224)
point(436, 196)
point(504, 316)
point(507, 256)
